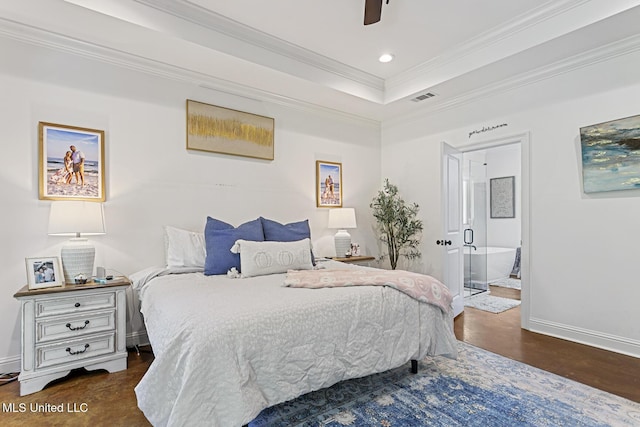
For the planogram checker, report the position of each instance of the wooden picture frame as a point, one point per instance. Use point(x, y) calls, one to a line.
point(65, 174)
point(503, 197)
point(328, 184)
point(44, 272)
point(222, 130)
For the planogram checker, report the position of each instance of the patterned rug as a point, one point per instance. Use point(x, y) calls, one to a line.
point(507, 282)
point(478, 389)
point(488, 302)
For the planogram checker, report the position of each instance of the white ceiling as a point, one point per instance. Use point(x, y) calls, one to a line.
point(414, 31)
point(320, 53)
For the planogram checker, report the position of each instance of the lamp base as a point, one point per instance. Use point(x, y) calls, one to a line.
point(77, 258)
point(342, 240)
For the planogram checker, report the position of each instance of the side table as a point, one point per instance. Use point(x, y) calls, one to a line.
point(69, 327)
point(355, 259)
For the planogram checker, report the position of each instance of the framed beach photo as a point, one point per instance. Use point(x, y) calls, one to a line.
point(222, 130)
point(71, 163)
point(44, 272)
point(328, 184)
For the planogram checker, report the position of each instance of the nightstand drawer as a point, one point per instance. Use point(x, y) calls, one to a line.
point(49, 329)
point(75, 304)
point(74, 350)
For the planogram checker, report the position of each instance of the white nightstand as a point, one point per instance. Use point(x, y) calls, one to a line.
point(74, 326)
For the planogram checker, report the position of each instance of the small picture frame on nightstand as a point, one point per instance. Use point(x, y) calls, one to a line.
point(355, 249)
point(44, 272)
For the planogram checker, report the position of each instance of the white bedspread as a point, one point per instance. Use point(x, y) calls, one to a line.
point(227, 348)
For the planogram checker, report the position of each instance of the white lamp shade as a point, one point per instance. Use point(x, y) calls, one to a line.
point(342, 218)
point(71, 218)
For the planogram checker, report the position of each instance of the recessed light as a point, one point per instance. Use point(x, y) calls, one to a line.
point(386, 57)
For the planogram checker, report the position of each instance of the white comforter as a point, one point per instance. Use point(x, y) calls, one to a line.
point(227, 348)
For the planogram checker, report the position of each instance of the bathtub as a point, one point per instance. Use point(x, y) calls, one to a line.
point(478, 273)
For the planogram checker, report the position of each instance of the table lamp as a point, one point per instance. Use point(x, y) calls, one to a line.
point(78, 219)
point(342, 218)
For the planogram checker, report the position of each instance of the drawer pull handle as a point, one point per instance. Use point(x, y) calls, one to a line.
point(77, 304)
point(76, 328)
point(86, 346)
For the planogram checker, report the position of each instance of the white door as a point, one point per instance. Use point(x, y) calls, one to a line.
point(452, 242)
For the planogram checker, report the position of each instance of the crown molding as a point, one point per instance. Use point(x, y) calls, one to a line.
point(137, 62)
point(191, 12)
point(585, 59)
point(482, 42)
point(63, 43)
point(223, 35)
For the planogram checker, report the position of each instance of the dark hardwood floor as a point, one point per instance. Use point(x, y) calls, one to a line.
point(109, 399)
point(501, 333)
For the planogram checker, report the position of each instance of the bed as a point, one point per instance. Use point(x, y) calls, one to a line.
point(227, 347)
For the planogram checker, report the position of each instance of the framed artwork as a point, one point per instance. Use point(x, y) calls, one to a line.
point(44, 272)
point(328, 184)
point(611, 155)
point(71, 163)
point(503, 197)
point(222, 130)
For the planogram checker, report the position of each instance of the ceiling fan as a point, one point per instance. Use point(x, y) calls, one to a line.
point(372, 11)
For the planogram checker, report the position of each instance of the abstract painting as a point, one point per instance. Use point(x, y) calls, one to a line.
point(611, 155)
point(222, 130)
point(503, 197)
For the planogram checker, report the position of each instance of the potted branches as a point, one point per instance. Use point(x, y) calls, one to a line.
point(397, 224)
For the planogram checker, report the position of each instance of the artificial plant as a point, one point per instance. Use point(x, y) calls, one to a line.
point(398, 226)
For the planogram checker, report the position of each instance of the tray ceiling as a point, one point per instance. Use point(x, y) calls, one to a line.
point(321, 53)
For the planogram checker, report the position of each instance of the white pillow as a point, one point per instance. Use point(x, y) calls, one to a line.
point(184, 248)
point(260, 258)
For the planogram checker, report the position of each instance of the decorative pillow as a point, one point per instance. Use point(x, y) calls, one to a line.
point(219, 238)
point(274, 231)
point(260, 258)
point(184, 248)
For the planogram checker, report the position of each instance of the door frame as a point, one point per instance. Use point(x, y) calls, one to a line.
point(525, 206)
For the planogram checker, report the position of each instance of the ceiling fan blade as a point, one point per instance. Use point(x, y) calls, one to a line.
point(372, 11)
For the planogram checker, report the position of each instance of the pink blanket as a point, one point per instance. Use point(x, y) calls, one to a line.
point(418, 286)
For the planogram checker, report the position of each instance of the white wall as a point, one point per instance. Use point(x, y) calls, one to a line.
point(152, 180)
point(582, 282)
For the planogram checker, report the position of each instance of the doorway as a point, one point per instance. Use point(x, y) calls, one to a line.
point(509, 232)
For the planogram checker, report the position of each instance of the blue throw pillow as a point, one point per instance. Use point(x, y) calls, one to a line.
point(292, 232)
point(219, 238)
point(274, 231)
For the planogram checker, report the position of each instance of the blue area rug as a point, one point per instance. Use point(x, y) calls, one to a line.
point(478, 389)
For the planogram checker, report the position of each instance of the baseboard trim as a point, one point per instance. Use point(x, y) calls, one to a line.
point(10, 364)
point(588, 337)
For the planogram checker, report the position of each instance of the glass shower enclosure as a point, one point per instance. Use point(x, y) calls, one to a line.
point(474, 213)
